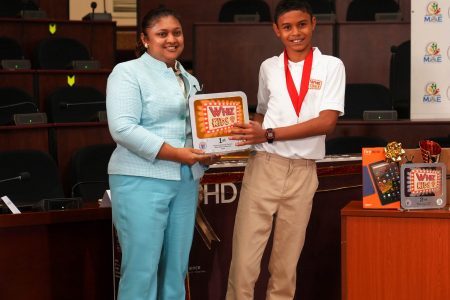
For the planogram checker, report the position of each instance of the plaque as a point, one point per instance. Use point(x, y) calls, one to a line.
point(423, 185)
point(212, 118)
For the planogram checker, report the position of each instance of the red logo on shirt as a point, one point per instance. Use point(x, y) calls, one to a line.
point(315, 84)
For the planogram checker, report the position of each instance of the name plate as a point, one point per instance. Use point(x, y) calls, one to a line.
point(10, 205)
point(212, 118)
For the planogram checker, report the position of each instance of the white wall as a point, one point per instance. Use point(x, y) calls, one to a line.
point(79, 8)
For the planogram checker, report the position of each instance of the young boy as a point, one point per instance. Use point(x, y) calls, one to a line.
point(300, 96)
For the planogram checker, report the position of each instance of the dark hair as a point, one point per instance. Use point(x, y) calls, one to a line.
point(285, 6)
point(149, 20)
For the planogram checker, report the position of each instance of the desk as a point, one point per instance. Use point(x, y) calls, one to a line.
point(21, 79)
point(409, 133)
point(389, 254)
point(319, 265)
point(227, 56)
point(56, 255)
point(98, 37)
point(22, 137)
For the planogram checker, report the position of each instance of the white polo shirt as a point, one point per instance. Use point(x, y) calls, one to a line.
point(326, 92)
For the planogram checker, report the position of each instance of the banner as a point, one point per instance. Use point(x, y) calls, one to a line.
point(430, 60)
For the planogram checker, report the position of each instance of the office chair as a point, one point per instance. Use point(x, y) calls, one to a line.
point(15, 101)
point(365, 10)
point(352, 144)
point(11, 55)
point(322, 6)
point(233, 8)
point(58, 53)
point(10, 49)
point(89, 171)
point(400, 79)
point(28, 176)
point(10, 8)
point(365, 96)
point(75, 104)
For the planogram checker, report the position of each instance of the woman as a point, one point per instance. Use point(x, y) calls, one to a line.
point(154, 171)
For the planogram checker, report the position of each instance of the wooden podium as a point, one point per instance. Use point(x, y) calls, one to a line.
point(393, 254)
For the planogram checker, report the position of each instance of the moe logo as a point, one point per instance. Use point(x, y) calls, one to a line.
point(433, 53)
point(432, 93)
point(433, 13)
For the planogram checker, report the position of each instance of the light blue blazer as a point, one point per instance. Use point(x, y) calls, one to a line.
point(146, 108)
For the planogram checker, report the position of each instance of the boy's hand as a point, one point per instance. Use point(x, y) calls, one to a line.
point(248, 134)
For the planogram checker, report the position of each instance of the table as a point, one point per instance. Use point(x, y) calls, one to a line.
point(57, 255)
point(392, 254)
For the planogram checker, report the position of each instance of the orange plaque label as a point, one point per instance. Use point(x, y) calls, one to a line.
point(216, 117)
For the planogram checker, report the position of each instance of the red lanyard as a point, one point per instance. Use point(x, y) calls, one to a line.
point(297, 100)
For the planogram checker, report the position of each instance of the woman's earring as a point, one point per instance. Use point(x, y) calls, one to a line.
point(145, 45)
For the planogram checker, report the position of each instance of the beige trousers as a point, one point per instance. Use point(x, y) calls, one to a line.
point(273, 187)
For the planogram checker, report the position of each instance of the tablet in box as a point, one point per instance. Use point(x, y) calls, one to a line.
point(381, 180)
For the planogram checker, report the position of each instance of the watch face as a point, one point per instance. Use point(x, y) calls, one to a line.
point(270, 135)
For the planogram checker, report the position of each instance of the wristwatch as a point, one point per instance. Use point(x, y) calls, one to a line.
point(270, 135)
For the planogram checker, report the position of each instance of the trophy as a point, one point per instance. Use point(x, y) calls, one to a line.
point(430, 151)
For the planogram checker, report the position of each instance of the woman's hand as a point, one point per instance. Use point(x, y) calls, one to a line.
point(248, 134)
point(189, 156)
point(209, 159)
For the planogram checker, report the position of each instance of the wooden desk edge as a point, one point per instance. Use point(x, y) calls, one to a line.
point(89, 213)
point(355, 209)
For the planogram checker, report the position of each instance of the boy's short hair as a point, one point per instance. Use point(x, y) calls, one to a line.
point(285, 6)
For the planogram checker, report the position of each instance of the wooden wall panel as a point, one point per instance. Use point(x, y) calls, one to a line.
point(227, 56)
point(365, 49)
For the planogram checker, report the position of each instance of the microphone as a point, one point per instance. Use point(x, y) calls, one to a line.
point(21, 103)
point(80, 183)
point(93, 6)
point(22, 176)
point(103, 16)
point(66, 105)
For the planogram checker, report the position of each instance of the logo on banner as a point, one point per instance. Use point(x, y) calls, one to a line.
point(433, 53)
point(433, 13)
point(432, 93)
